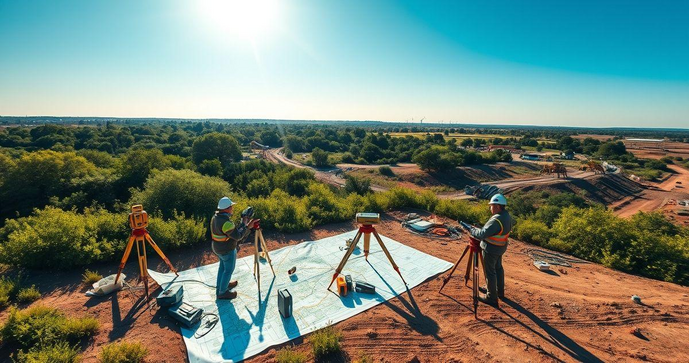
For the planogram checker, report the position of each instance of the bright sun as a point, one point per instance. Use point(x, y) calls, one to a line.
point(243, 19)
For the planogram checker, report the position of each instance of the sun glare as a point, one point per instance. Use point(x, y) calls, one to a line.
point(243, 19)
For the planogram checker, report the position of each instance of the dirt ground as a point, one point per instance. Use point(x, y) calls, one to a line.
point(654, 196)
point(583, 313)
point(670, 148)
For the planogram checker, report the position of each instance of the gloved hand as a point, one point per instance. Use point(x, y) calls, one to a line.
point(465, 225)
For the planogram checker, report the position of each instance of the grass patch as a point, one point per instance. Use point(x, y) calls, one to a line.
point(90, 277)
point(57, 353)
point(363, 358)
point(123, 352)
point(386, 170)
point(8, 290)
point(28, 294)
point(41, 326)
point(289, 355)
point(326, 342)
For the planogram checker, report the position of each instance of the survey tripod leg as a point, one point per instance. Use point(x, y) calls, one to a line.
point(387, 253)
point(160, 253)
point(449, 276)
point(123, 262)
point(351, 249)
point(260, 241)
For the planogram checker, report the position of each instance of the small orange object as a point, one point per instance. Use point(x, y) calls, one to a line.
point(342, 286)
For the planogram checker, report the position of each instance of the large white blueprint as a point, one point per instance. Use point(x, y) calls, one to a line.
point(251, 323)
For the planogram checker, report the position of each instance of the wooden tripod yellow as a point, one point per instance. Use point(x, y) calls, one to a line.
point(260, 244)
point(366, 230)
point(138, 220)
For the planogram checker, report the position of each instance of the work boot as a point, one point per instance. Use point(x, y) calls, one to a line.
point(493, 303)
point(228, 295)
point(482, 289)
point(232, 285)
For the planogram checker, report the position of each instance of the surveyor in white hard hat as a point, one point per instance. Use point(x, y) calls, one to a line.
point(226, 236)
point(494, 238)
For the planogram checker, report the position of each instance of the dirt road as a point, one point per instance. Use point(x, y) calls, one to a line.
point(330, 177)
point(654, 197)
point(582, 313)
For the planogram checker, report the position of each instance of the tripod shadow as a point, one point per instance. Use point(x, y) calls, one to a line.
point(257, 320)
point(414, 317)
point(554, 336)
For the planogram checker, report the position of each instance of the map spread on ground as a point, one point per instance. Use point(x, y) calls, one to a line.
point(251, 323)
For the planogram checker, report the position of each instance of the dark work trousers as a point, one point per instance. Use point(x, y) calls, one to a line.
point(495, 276)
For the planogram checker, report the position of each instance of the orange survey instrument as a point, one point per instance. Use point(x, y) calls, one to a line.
point(138, 221)
point(341, 286)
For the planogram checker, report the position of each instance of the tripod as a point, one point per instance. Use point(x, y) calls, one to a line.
point(366, 230)
point(475, 256)
point(138, 220)
point(260, 241)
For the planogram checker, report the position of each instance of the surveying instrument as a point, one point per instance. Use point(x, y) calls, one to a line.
point(366, 228)
point(259, 246)
point(138, 221)
point(475, 257)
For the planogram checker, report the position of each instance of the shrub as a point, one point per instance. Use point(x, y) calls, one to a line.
point(211, 168)
point(326, 342)
point(61, 239)
point(185, 191)
point(357, 185)
point(462, 210)
point(319, 157)
point(529, 230)
point(289, 355)
point(177, 232)
point(8, 290)
point(60, 352)
point(123, 352)
point(90, 277)
point(44, 326)
point(28, 294)
point(386, 170)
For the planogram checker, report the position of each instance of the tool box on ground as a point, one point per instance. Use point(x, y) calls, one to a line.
point(170, 296)
point(341, 286)
point(543, 266)
point(348, 280)
point(185, 314)
point(285, 303)
point(364, 287)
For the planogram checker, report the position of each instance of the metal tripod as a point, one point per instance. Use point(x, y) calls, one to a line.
point(366, 230)
point(140, 237)
point(260, 241)
point(475, 257)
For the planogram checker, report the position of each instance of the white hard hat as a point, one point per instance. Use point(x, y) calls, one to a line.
point(498, 199)
point(225, 203)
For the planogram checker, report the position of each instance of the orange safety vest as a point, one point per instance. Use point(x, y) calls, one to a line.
point(499, 239)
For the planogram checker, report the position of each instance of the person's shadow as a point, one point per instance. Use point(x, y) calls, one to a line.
point(237, 343)
point(554, 336)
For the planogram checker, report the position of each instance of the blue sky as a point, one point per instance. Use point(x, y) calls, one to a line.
point(583, 63)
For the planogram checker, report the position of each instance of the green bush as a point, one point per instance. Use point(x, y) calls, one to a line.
point(184, 191)
point(8, 290)
point(319, 157)
point(216, 146)
point(289, 355)
point(462, 210)
point(386, 170)
point(60, 352)
point(533, 231)
point(61, 239)
point(177, 232)
point(40, 326)
point(90, 277)
point(326, 342)
point(28, 294)
point(123, 352)
point(357, 185)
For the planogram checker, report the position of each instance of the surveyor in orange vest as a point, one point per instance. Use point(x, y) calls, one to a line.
point(494, 238)
point(226, 236)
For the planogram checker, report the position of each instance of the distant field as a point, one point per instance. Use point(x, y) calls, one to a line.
point(421, 135)
point(593, 136)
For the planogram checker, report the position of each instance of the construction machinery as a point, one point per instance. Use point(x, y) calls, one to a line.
point(593, 166)
point(262, 148)
point(554, 168)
